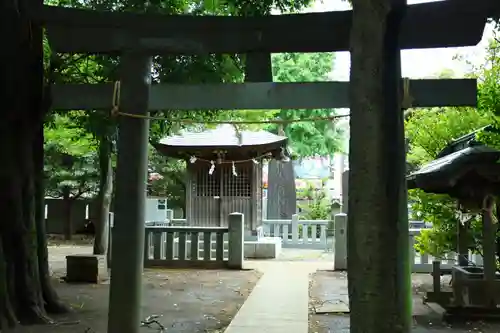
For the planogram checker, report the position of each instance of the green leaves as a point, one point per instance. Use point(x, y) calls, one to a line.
point(313, 137)
point(70, 158)
point(172, 184)
point(315, 203)
point(67, 137)
point(430, 130)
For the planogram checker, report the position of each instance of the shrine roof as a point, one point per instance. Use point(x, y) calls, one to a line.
point(222, 137)
point(454, 174)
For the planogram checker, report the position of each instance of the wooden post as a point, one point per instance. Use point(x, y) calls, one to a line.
point(489, 260)
point(236, 240)
point(395, 152)
point(463, 248)
point(131, 176)
point(436, 277)
point(109, 257)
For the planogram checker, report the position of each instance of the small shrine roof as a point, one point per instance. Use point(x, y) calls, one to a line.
point(244, 143)
point(222, 136)
point(442, 175)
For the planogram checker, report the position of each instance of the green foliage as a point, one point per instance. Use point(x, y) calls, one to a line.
point(315, 203)
point(489, 92)
point(441, 211)
point(429, 131)
point(70, 159)
point(172, 184)
point(249, 8)
point(313, 137)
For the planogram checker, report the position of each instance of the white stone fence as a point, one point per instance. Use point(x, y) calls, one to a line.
point(197, 247)
point(295, 233)
point(421, 263)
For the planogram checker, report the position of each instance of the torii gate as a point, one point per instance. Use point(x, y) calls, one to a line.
point(136, 37)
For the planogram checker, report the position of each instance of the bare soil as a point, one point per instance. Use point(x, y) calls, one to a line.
point(78, 239)
point(186, 300)
point(326, 286)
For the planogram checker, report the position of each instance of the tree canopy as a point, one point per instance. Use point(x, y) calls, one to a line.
point(70, 159)
point(308, 138)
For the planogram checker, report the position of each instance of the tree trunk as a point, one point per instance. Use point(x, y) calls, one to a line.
point(378, 260)
point(52, 301)
point(19, 238)
point(22, 277)
point(104, 197)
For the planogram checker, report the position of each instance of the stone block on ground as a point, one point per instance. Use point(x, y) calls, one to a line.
point(86, 268)
point(264, 248)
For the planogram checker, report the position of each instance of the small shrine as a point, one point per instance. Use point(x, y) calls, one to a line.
point(468, 171)
point(224, 168)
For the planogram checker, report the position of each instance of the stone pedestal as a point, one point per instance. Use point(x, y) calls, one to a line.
point(85, 268)
point(264, 248)
point(471, 290)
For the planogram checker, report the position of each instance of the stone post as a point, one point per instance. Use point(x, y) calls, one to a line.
point(340, 251)
point(236, 240)
point(345, 191)
point(125, 295)
point(295, 229)
point(157, 245)
point(111, 217)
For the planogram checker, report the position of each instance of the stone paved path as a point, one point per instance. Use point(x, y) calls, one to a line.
point(279, 303)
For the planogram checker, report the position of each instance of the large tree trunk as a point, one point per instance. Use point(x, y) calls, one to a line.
point(52, 302)
point(22, 278)
point(378, 259)
point(104, 197)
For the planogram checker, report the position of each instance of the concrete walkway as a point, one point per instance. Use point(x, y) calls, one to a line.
point(279, 302)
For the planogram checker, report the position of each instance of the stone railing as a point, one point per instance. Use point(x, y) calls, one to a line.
point(295, 233)
point(421, 263)
point(197, 247)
